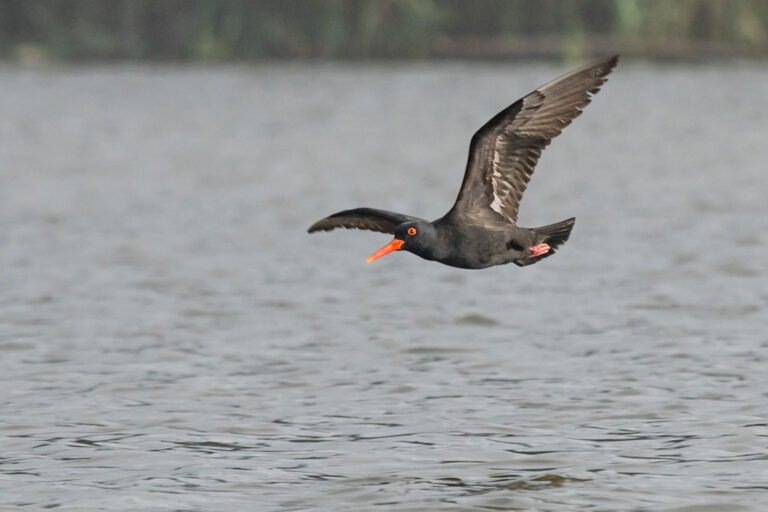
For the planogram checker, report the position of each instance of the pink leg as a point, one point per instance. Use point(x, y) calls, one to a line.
point(538, 250)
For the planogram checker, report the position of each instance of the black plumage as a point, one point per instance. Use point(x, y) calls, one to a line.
point(481, 228)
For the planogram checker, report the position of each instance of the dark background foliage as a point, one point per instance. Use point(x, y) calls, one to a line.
point(191, 30)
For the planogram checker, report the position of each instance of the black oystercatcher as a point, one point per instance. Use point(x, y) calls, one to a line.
point(481, 229)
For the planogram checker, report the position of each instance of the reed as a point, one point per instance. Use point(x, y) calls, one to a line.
point(71, 30)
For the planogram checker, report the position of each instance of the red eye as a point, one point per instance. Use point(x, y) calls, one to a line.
point(411, 231)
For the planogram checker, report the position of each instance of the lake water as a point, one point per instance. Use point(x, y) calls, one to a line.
point(172, 339)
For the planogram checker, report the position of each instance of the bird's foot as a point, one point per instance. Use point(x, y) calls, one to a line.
point(538, 250)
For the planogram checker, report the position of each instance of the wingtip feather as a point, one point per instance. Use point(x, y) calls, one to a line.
point(609, 63)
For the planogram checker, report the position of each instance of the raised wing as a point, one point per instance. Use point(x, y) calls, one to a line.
point(504, 152)
point(362, 218)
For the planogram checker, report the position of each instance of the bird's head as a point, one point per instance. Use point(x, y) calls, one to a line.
point(414, 236)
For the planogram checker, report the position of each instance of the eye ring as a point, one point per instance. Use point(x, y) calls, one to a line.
point(411, 231)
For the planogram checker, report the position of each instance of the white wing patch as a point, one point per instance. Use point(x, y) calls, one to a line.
point(496, 182)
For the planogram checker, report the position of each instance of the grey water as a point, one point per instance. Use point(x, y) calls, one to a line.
point(171, 339)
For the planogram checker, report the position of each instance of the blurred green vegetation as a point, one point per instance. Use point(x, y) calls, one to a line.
point(350, 29)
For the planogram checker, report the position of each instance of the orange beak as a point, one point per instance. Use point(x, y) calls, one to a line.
point(394, 245)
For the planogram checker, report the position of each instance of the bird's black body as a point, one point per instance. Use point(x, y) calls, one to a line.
point(474, 246)
point(481, 229)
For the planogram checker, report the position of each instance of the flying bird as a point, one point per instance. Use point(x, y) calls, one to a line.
point(481, 230)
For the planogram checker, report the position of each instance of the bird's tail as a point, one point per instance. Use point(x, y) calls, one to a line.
point(555, 234)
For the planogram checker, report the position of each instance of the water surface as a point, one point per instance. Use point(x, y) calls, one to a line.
point(172, 339)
